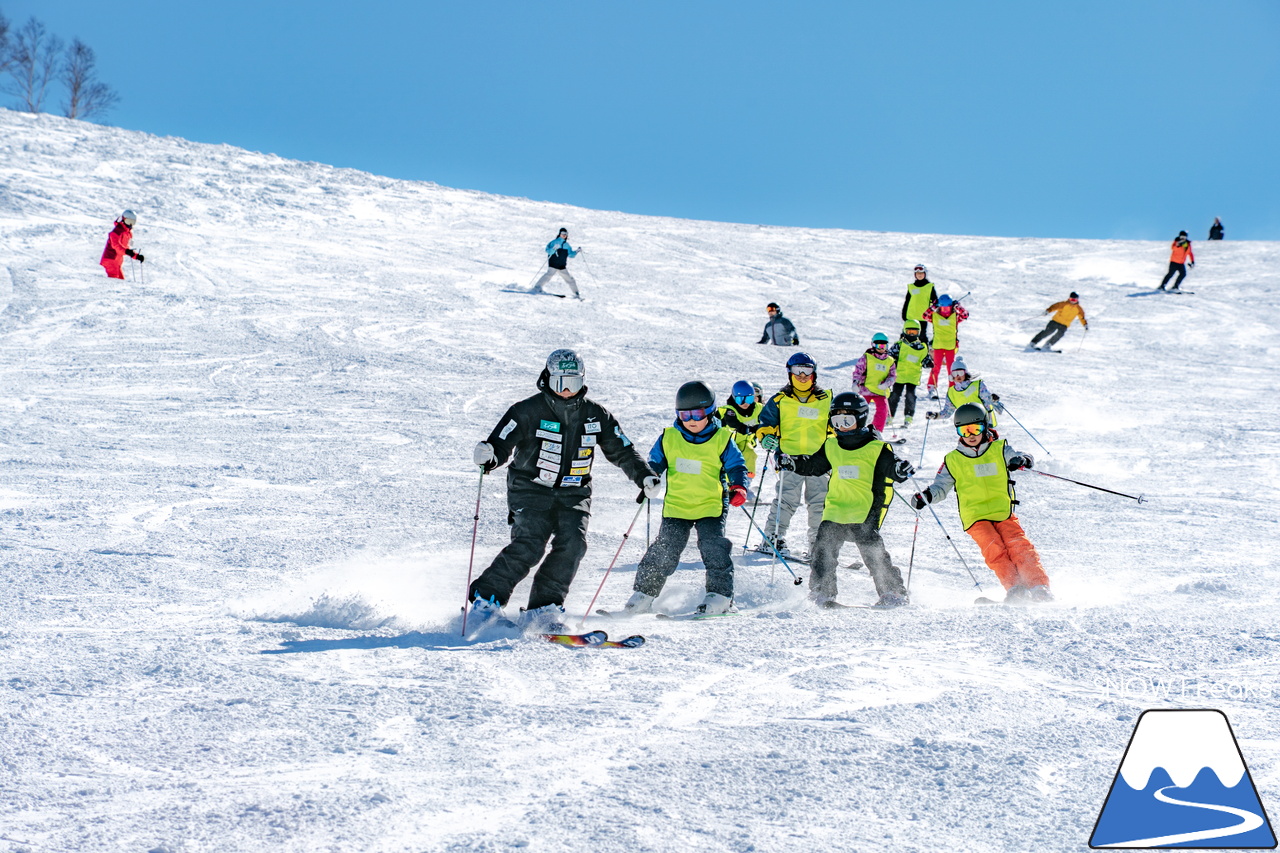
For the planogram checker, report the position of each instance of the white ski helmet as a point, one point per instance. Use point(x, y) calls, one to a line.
point(566, 371)
point(128, 218)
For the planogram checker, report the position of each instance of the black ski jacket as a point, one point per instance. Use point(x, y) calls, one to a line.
point(817, 464)
point(555, 443)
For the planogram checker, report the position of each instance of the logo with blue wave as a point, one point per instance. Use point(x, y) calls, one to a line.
point(1183, 784)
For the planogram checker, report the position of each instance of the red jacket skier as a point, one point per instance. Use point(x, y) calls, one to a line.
point(117, 248)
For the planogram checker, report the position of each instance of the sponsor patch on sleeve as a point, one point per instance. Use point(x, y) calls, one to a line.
point(506, 430)
point(626, 442)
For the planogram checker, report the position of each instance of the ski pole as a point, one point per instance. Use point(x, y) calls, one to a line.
point(776, 555)
point(1138, 498)
point(1005, 411)
point(529, 286)
point(925, 441)
point(612, 563)
point(911, 561)
point(583, 253)
point(967, 294)
point(941, 527)
point(1080, 345)
point(475, 528)
point(777, 525)
point(756, 505)
point(648, 522)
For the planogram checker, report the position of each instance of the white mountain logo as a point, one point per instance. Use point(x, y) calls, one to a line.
point(1183, 783)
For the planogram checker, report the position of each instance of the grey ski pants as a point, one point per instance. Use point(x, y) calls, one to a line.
point(822, 576)
point(663, 556)
point(1054, 329)
point(551, 273)
point(790, 488)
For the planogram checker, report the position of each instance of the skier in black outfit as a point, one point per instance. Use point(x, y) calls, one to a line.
point(555, 436)
point(1216, 230)
point(779, 331)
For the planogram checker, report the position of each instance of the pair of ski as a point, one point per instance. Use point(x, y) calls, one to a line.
point(532, 292)
point(594, 640)
point(1161, 290)
point(670, 617)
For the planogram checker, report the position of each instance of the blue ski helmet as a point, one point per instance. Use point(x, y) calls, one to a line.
point(743, 392)
point(879, 338)
point(801, 359)
point(944, 300)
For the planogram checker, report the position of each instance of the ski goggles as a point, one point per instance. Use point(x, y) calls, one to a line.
point(803, 371)
point(691, 414)
point(844, 423)
point(880, 344)
point(970, 430)
point(744, 399)
point(570, 382)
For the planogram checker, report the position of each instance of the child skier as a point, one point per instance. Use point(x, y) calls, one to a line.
point(910, 357)
point(118, 246)
point(863, 469)
point(873, 377)
point(1067, 313)
point(921, 296)
point(946, 319)
point(1179, 258)
point(967, 389)
point(705, 476)
point(741, 413)
point(978, 469)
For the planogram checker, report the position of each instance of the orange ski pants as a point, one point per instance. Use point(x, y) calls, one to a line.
point(1009, 552)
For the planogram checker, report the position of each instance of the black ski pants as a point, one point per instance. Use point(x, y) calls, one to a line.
point(565, 526)
point(663, 556)
point(1056, 329)
point(822, 575)
point(906, 393)
point(1180, 269)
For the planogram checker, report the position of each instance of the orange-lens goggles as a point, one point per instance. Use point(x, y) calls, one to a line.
point(970, 430)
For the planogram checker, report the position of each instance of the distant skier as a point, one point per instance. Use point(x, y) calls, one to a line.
point(118, 246)
point(978, 469)
point(741, 413)
point(1064, 314)
point(555, 436)
point(921, 296)
point(863, 469)
point(910, 357)
point(967, 389)
point(1179, 260)
point(778, 331)
point(705, 476)
point(558, 253)
point(946, 317)
point(873, 377)
point(1216, 230)
point(794, 421)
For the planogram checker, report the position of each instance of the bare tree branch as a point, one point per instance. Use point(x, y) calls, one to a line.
point(37, 56)
point(86, 96)
point(6, 55)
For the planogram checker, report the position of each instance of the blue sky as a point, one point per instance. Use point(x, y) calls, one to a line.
point(1127, 119)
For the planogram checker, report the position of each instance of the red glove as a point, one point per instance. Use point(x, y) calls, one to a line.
point(737, 495)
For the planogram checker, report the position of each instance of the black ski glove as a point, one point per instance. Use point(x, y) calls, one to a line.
point(919, 499)
point(140, 258)
point(931, 415)
point(903, 470)
point(1018, 461)
point(130, 253)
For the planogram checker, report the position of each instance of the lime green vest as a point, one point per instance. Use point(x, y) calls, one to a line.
point(944, 330)
point(917, 300)
point(802, 427)
point(972, 394)
point(877, 372)
point(983, 489)
point(851, 492)
point(746, 443)
point(694, 471)
point(910, 363)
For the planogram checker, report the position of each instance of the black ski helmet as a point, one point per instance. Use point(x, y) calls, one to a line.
point(850, 403)
point(972, 413)
point(695, 395)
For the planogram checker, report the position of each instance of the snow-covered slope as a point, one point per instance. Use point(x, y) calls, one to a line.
point(266, 447)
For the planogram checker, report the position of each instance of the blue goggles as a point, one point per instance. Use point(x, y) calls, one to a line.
point(691, 414)
point(744, 399)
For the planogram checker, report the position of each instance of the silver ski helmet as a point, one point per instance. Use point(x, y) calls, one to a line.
point(566, 371)
point(969, 414)
point(128, 218)
point(846, 405)
point(695, 395)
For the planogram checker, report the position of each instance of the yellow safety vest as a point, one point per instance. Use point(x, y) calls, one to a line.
point(877, 372)
point(694, 475)
point(917, 299)
point(910, 363)
point(746, 443)
point(971, 394)
point(802, 427)
point(852, 489)
point(944, 330)
point(983, 489)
